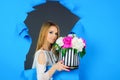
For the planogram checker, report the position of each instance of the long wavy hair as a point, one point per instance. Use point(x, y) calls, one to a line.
point(43, 34)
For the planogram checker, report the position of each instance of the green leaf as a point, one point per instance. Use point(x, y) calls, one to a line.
point(82, 53)
point(63, 51)
point(75, 51)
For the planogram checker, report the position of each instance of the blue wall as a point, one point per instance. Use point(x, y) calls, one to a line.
point(101, 20)
point(99, 25)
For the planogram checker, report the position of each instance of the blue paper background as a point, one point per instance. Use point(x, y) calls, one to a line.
point(99, 25)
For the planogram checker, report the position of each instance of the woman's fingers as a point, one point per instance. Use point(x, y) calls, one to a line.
point(62, 66)
point(61, 61)
point(66, 69)
point(65, 66)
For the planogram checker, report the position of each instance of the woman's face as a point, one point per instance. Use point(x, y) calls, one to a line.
point(52, 34)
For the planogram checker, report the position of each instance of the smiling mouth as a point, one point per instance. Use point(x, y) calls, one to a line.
point(53, 39)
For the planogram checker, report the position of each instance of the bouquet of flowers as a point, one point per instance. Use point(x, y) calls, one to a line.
point(71, 42)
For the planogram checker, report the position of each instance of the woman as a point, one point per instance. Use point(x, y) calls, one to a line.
point(45, 53)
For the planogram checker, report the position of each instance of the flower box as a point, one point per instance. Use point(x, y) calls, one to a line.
point(69, 48)
point(70, 58)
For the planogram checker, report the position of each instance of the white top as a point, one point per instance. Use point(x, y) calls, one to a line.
point(41, 68)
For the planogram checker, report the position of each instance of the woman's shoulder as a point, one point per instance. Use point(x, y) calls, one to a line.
point(43, 51)
point(41, 55)
point(40, 51)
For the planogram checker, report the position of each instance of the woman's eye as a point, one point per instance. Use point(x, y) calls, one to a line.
point(50, 32)
point(56, 33)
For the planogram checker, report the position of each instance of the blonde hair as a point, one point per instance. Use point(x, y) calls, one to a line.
point(43, 33)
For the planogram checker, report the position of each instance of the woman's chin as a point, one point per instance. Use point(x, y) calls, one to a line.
point(52, 42)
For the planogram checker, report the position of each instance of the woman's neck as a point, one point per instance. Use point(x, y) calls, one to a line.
point(47, 46)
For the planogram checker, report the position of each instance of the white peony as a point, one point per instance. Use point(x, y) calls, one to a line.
point(59, 41)
point(72, 35)
point(77, 43)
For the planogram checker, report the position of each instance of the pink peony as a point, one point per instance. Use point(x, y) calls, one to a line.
point(84, 42)
point(67, 42)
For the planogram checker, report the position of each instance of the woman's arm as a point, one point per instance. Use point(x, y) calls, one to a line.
point(58, 66)
point(41, 60)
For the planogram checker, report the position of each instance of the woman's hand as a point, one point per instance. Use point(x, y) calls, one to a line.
point(60, 66)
